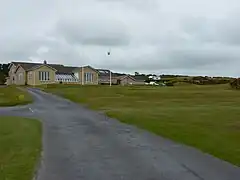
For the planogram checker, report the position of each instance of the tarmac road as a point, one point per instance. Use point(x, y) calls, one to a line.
point(80, 144)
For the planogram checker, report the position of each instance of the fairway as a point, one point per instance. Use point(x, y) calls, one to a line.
point(11, 96)
point(20, 146)
point(206, 117)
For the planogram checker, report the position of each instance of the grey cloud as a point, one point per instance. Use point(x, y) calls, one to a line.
point(136, 4)
point(195, 60)
point(148, 36)
point(228, 30)
point(93, 31)
point(225, 31)
point(18, 48)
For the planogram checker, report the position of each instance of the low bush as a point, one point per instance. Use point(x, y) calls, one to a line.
point(235, 83)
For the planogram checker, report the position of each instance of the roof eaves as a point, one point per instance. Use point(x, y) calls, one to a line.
point(18, 66)
point(10, 65)
point(125, 76)
point(92, 68)
point(38, 66)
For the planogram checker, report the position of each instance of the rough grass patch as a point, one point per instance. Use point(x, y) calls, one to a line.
point(11, 96)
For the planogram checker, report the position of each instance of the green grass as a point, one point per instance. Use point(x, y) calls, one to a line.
point(11, 96)
point(206, 117)
point(20, 146)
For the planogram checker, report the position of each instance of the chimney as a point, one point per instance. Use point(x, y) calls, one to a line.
point(44, 62)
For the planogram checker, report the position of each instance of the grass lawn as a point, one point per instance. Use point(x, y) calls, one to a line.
point(11, 96)
point(20, 147)
point(206, 117)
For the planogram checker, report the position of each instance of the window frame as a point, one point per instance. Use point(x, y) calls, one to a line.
point(88, 76)
point(20, 76)
point(30, 76)
point(44, 76)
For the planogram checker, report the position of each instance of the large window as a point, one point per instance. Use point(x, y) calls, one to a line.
point(30, 75)
point(88, 77)
point(66, 78)
point(20, 76)
point(44, 76)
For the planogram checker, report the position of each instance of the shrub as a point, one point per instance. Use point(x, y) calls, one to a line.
point(235, 83)
point(169, 83)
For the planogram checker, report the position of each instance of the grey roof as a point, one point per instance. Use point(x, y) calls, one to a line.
point(140, 78)
point(103, 71)
point(61, 69)
point(65, 70)
point(37, 66)
point(26, 65)
point(106, 72)
point(91, 68)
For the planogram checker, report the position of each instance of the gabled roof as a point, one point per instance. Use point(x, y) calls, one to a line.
point(86, 67)
point(91, 68)
point(59, 68)
point(140, 78)
point(38, 66)
point(26, 66)
point(125, 76)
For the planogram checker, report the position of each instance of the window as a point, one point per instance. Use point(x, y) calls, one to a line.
point(44, 76)
point(30, 75)
point(88, 77)
point(20, 76)
point(65, 77)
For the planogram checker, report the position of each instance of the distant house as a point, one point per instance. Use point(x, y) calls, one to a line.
point(125, 80)
point(104, 76)
point(22, 73)
point(140, 79)
point(116, 78)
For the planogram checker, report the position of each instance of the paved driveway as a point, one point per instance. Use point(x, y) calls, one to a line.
point(81, 144)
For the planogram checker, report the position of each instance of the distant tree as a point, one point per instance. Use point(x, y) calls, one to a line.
point(136, 73)
point(3, 73)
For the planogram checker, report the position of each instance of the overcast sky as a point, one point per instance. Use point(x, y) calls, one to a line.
point(196, 37)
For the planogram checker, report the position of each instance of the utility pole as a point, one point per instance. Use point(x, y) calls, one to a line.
point(82, 75)
point(110, 78)
point(34, 78)
point(110, 73)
